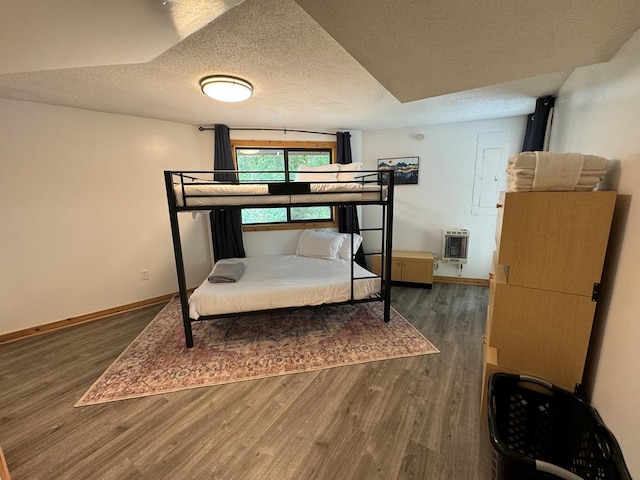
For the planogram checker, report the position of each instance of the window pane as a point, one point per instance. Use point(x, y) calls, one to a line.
point(310, 213)
point(252, 216)
point(263, 160)
point(312, 159)
point(268, 165)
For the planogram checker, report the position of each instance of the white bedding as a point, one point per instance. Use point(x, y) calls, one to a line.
point(214, 194)
point(282, 281)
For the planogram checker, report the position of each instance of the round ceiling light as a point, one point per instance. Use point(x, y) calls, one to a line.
point(226, 88)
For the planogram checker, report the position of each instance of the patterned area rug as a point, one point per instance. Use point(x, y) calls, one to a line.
point(250, 347)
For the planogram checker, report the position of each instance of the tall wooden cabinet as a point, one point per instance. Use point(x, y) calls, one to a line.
point(544, 283)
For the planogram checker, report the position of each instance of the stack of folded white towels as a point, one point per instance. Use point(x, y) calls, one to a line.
point(549, 171)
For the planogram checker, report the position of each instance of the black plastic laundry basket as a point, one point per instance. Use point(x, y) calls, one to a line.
point(539, 431)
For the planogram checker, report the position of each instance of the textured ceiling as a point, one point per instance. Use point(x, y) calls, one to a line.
point(44, 35)
point(303, 76)
point(425, 48)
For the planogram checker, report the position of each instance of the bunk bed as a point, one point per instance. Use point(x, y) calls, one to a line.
point(327, 281)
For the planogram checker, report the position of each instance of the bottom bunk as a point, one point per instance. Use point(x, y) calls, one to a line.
point(282, 282)
point(273, 282)
point(322, 272)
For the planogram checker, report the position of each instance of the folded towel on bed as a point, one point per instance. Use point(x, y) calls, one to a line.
point(226, 272)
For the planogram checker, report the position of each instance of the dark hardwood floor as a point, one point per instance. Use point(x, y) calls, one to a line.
point(410, 418)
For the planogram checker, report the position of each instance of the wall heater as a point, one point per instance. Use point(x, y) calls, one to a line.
point(455, 243)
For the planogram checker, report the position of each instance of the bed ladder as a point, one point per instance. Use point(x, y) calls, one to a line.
point(386, 246)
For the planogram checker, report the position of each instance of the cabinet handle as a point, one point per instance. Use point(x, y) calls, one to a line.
point(499, 205)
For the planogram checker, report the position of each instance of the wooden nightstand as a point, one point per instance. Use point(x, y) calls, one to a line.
point(408, 268)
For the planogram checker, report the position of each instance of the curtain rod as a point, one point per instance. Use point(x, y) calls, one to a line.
point(284, 130)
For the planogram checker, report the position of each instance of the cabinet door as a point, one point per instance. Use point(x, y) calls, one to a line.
point(396, 267)
point(540, 332)
point(555, 240)
point(416, 271)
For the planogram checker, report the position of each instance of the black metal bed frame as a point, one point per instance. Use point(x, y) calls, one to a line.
point(283, 188)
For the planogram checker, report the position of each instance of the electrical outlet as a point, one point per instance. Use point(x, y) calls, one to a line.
point(144, 274)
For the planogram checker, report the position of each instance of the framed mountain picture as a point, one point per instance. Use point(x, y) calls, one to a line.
point(405, 169)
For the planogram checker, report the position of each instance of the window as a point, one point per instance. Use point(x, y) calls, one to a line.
point(279, 161)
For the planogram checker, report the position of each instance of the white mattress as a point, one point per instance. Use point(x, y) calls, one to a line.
point(223, 194)
point(282, 281)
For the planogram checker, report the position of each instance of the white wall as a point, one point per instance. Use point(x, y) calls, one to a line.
point(443, 196)
point(598, 112)
point(84, 210)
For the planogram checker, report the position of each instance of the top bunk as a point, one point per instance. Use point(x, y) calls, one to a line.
point(202, 190)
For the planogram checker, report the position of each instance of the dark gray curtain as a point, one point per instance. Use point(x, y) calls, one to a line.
point(226, 224)
point(347, 214)
point(536, 130)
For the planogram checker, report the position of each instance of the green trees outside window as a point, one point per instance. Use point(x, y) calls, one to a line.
point(276, 165)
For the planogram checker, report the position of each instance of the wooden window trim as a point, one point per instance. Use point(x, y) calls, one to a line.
point(333, 146)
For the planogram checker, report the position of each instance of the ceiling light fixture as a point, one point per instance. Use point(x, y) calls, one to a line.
point(226, 88)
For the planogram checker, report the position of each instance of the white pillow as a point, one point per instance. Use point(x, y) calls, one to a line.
point(319, 244)
point(345, 250)
point(328, 173)
point(348, 171)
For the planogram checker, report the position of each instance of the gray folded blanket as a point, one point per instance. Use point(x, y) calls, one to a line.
point(226, 272)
